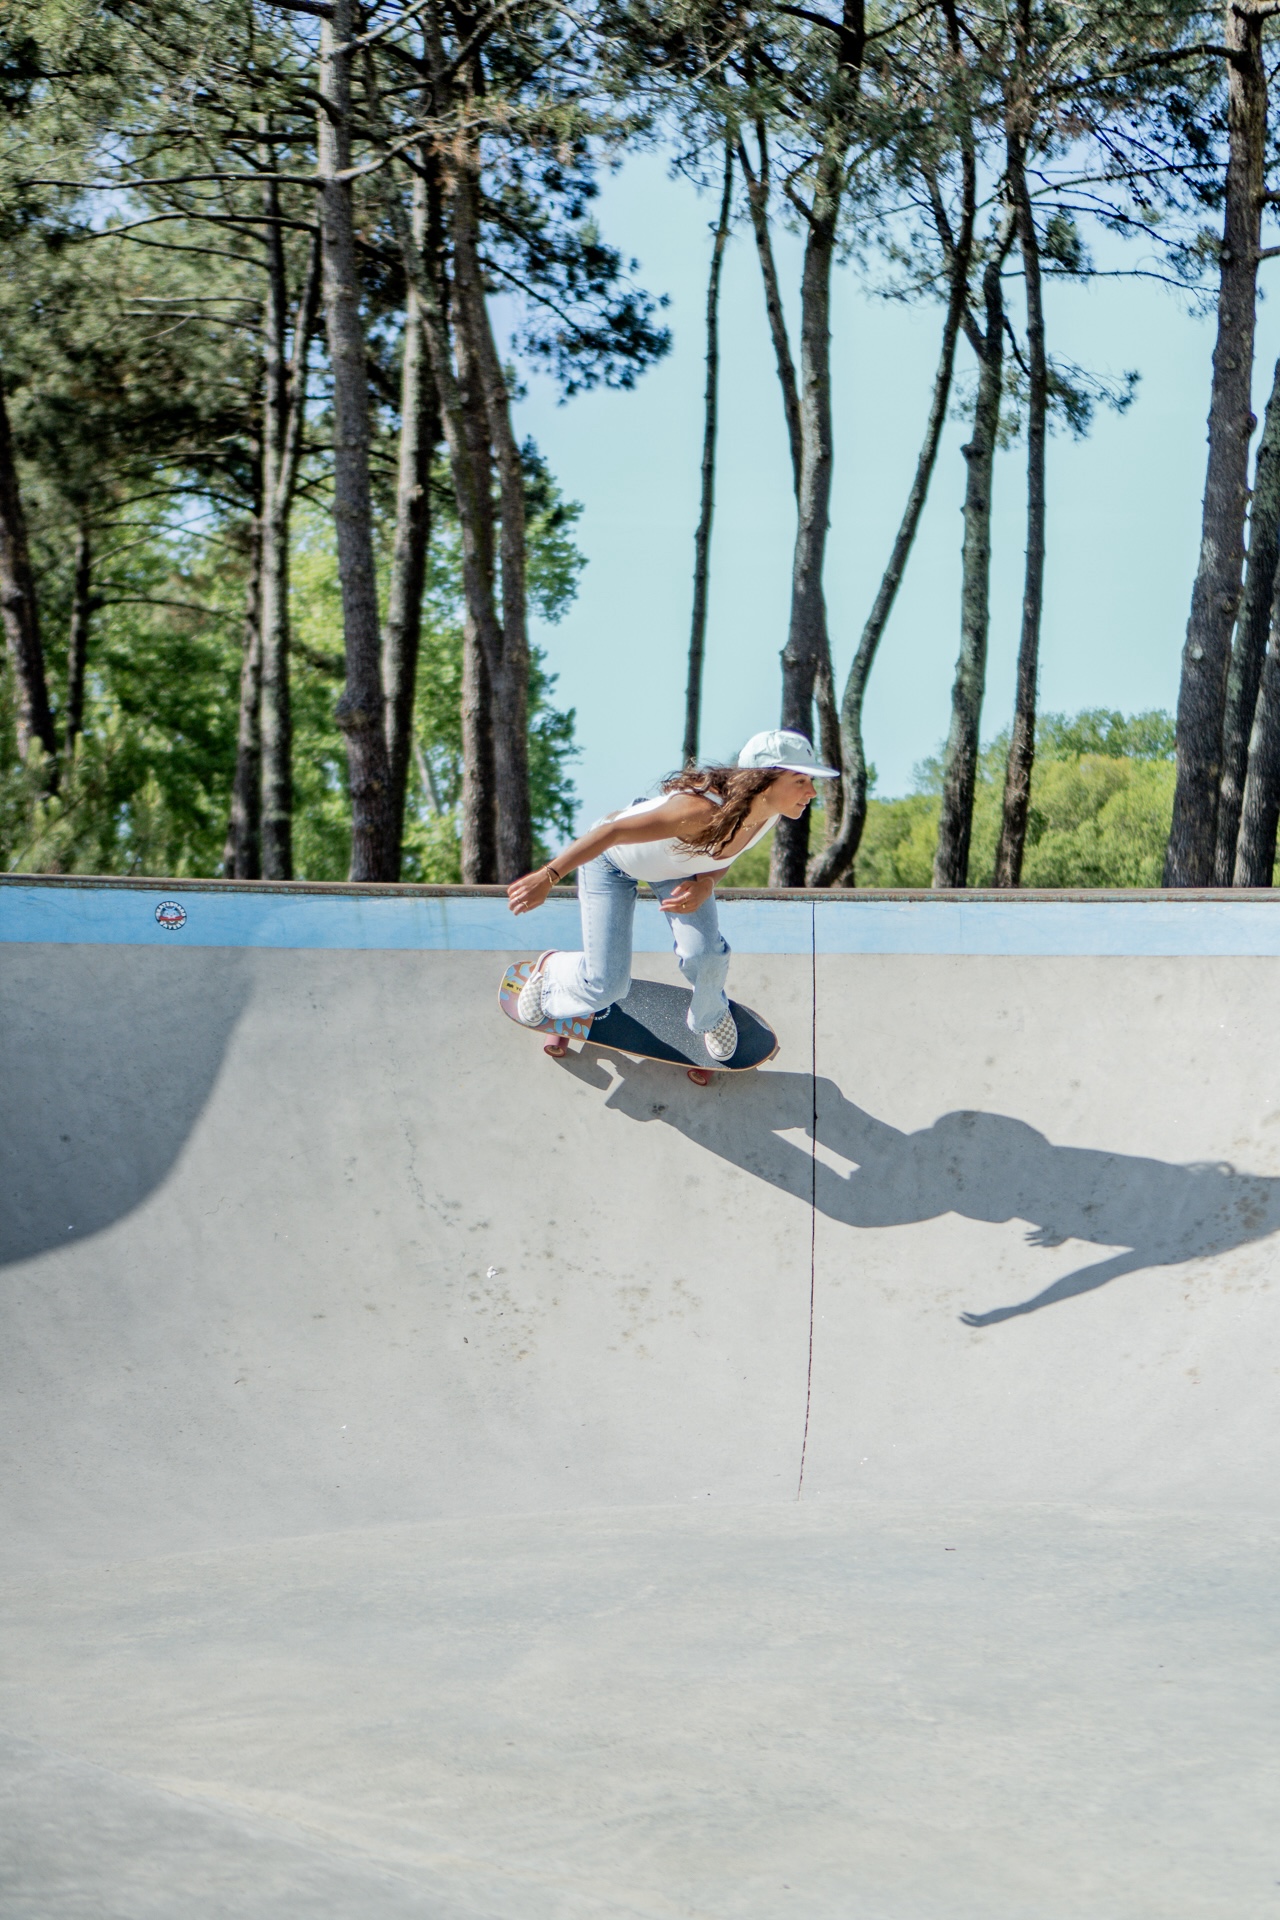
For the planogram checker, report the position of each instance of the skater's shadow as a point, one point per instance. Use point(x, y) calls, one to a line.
point(986, 1166)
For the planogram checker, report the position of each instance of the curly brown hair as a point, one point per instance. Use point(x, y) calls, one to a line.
point(737, 788)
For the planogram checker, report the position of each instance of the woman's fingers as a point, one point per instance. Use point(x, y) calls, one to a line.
point(687, 898)
point(522, 895)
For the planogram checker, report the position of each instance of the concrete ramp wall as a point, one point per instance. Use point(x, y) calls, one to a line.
point(300, 1235)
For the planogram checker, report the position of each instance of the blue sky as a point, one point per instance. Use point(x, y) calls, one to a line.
point(1123, 509)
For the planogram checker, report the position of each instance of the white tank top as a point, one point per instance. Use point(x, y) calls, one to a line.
point(669, 859)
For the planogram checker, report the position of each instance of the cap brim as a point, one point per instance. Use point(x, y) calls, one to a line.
point(789, 766)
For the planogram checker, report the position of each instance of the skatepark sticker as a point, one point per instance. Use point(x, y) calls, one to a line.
point(171, 916)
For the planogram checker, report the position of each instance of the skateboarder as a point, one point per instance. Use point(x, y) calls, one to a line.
point(677, 844)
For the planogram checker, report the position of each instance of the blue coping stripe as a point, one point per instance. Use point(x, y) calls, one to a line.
point(75, 913)
point(1067, 928)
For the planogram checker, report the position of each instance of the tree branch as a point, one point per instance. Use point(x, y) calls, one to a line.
point(184, 606)
point(904, 20)
point(164, 246)
point(251, 179)
point(1014, 347)
point(332, 664)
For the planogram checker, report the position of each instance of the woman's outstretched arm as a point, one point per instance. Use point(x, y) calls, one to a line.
point(681, 814)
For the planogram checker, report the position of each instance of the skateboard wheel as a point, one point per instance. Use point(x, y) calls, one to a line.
point(699, 1076)
point(557, 1048)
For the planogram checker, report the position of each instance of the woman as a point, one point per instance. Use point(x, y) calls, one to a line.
point(677, 844)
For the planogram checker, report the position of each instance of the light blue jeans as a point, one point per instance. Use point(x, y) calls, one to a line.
point(577, 984)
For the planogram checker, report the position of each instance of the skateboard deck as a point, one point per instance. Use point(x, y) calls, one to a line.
point(650, 1024)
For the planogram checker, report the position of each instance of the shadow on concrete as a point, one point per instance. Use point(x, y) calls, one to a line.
point(985, 1166)
point(107, 1057)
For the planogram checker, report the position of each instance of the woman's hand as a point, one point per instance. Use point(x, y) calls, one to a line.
point(529, 891)
point(690, 895)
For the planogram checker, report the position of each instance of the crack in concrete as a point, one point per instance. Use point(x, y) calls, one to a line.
point(813, 1181)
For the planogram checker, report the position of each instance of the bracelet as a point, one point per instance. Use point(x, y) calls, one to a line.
point(555, 877)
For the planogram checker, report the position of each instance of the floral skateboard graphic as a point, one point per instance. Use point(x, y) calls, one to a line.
point(650, 1025)
point(508, 994)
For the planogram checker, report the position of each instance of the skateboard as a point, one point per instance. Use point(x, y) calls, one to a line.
point(648, 1024)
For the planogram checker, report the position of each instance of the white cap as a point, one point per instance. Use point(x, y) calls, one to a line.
point(782, 749)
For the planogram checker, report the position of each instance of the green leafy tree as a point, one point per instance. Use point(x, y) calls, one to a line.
point(1101, 798)
point(432, 838)
point(146, 784)
point(147, 787)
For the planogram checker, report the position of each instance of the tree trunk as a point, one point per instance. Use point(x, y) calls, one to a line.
point(78, 631)
point(465, 435)
point(806, 635)
point(242, 853)
point(470, 473)
point(702, 538)
point(837, 859)
point(1189, 860)
point(1251, 636)
point(263, 784)
point(1022, 739)
point(1260, 807)
point(419, 431)
point(830, 745)
point(275, 728)
point(1260, 810)
point(824, 678)
point(360, 708)
point(22, 613)
point(479, 815)
point(508, 667)
point(482, 644)
point(960, 760)
point(758, 202)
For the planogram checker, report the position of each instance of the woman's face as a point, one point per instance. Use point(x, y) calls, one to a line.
point(790, 793)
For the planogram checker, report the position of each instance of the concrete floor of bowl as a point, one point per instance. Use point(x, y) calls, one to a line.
point(732, 1713)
